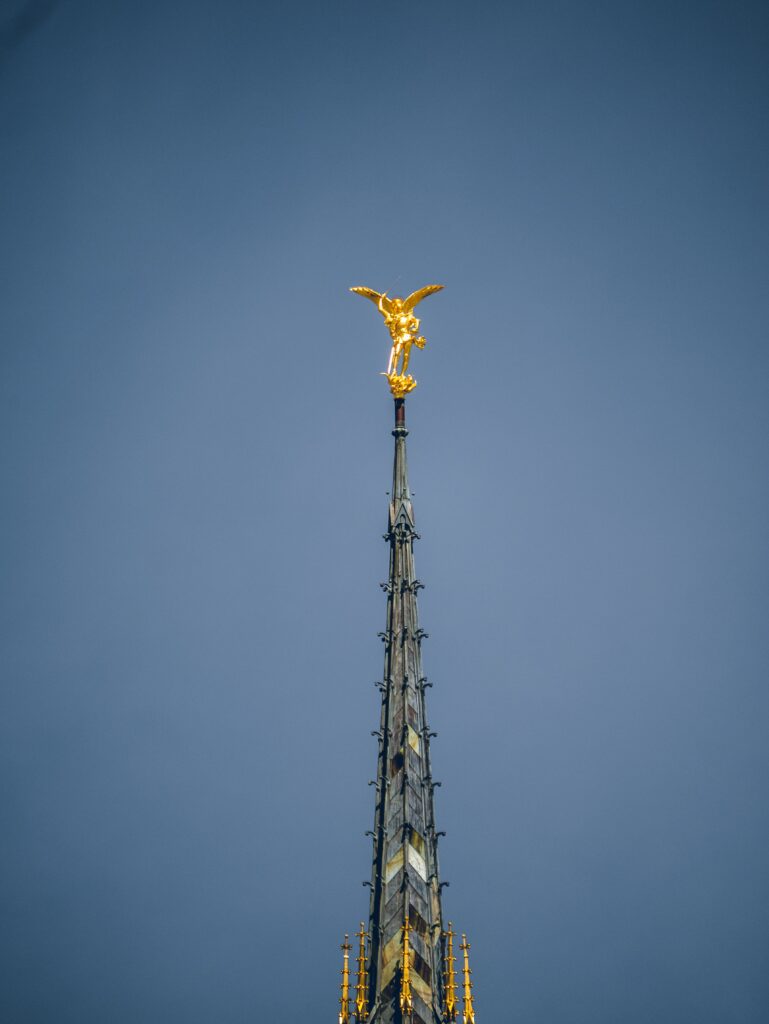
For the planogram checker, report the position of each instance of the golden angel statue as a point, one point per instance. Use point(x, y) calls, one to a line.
point(403, 327)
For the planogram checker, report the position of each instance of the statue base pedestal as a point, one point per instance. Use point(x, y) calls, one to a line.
point(400, 384)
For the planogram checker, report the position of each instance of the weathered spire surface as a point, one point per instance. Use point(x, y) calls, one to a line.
point(405, 883)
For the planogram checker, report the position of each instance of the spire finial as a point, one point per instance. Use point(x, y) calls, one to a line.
point(403, 327)
point(344, 1001)
point(361, 989)
point(468, 1012)
point(451, 977)
point(406, 1002)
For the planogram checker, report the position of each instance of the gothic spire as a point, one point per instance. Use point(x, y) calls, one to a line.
point(407, 976)
point(405, 883)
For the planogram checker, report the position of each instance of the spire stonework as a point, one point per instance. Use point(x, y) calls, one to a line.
point(404, 878)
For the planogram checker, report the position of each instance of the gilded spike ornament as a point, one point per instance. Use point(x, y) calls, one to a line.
point(406, 1002)
point(361, 989)
point(450, 976)
point(403, 326)
point(344, 1000)
point(468, 1012)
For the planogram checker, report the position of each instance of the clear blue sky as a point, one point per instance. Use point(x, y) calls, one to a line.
point(195, 452)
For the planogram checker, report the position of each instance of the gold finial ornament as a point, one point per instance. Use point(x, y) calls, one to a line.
point(361, 989)
point(403, 327)
point(468, 1012)
point(451, 977)
point(344, 1001)
point(407, 1004)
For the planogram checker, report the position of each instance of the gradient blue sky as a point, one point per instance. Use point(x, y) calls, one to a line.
point(195, 453)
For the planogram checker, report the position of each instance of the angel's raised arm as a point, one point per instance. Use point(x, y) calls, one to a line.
point(380, 301)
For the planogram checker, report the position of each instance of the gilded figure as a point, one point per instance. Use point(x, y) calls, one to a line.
point(403, 326)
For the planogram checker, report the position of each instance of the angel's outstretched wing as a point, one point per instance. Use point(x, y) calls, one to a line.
point(415, 297)
point(375, 297)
